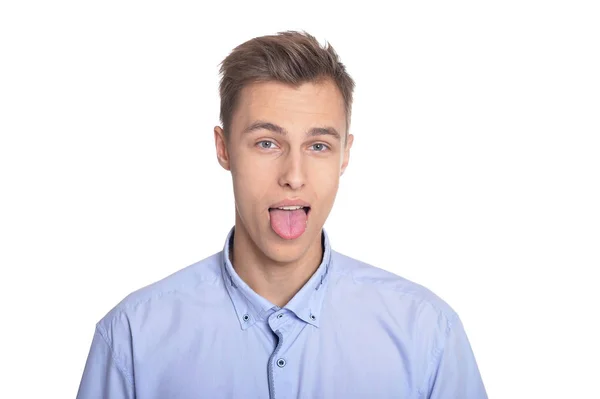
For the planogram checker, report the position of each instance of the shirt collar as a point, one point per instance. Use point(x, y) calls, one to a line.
point(251, 307)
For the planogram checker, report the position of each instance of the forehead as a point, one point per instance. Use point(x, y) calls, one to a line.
point(308, 105)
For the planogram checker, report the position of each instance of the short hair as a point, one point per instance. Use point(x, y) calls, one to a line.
point(289, 57)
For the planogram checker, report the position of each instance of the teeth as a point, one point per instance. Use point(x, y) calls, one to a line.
point(290, 208)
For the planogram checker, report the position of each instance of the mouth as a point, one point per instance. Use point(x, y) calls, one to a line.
point(306, 209)
point(289, 221)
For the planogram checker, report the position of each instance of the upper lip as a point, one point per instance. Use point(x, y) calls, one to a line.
point(289, 202)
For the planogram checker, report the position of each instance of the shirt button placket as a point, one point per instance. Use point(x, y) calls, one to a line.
point(275, 360)
point(281, 325)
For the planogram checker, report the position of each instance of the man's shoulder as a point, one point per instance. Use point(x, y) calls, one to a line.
point(390, 286)
point(194, 279)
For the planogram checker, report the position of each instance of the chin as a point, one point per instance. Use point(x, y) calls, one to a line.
point(285, 257)
point(286, 251)
point(269, 244)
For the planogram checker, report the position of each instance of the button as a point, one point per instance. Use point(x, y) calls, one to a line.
point(313, 317)
point(281, 362)
point(246, 317)
point(280, 315)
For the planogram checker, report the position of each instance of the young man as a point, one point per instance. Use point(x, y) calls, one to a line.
point(278, 313)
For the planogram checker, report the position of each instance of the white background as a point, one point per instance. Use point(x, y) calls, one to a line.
point(475, 169)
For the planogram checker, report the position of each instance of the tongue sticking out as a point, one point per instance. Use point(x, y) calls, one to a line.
point(288, 224)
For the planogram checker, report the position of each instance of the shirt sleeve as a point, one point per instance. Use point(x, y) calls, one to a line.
point(103, 376)
point(455, 374)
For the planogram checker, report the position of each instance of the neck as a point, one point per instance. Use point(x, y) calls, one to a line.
point(275, 281)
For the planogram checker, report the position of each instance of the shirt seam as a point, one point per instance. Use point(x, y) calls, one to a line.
point(437, 352)
point(157, 295)
point(419, 297)
point(128, 377)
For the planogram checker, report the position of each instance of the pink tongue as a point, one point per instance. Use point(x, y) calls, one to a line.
point(288, 224)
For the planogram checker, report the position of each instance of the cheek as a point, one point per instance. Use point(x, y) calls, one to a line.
point(325, 182)
point(251, 182)
point(253, 176)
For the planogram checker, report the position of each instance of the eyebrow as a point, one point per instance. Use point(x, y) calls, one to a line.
point(315, 131)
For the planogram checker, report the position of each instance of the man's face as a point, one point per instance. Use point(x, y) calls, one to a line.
point(286, 144)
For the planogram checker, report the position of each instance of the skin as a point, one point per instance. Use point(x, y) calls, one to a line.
point(268, 166)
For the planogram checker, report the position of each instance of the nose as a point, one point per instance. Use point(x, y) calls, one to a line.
point(291, 170)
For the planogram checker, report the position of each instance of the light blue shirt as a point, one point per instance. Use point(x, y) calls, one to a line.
point(352, 331)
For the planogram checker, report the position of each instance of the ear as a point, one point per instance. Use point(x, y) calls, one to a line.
point(346, 156)
point(221, 146)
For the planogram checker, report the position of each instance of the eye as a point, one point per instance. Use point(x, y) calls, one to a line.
point(320, 147)
point(266, 144)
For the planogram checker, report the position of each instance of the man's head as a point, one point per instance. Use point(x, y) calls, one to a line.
point(285, 110)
